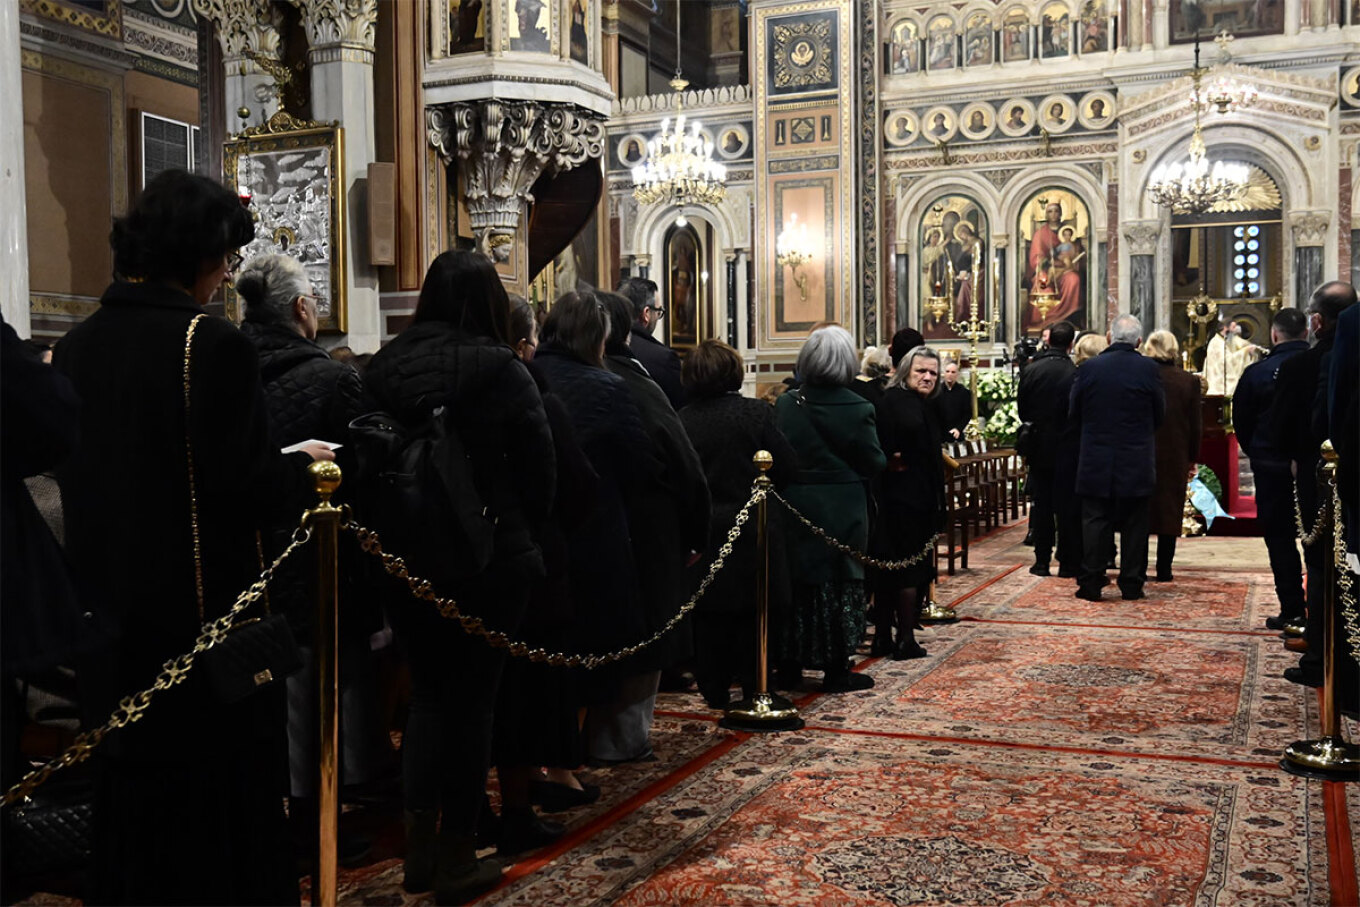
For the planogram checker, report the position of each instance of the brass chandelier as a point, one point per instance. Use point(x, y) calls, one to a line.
point(1193, 186)
point(679, 168)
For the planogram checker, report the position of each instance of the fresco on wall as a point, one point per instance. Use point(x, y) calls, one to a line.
point(1095, 27)
point(904, 52)
point(466, 26)
point(953, 236)
point(1209, 17)
point(1057, 260)
point(529, 26)
point(977, 40)
point(1055, 31)
point(1015, 36)
point(578, 33)
point(683, 286)
point(940, 44)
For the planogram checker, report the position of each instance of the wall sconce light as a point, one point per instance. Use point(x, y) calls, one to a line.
point(792, 251)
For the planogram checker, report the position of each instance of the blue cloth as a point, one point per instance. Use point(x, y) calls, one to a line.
point(1206, 503)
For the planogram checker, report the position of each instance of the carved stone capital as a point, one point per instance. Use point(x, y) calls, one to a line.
point(345, 23)
point(1142, 236)
point(1001, 240)
point(242, 25)
point(1310, 227)
point(505, 147)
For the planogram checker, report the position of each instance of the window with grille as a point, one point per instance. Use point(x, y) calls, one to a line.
point(1248, 243)
point(167, 145)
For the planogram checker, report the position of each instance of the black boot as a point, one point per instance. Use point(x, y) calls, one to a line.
point(460, 876)
point(1166, 552)
point(420, 849)
point(522, 829)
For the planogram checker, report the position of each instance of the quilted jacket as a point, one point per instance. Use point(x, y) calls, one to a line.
point(308, 394)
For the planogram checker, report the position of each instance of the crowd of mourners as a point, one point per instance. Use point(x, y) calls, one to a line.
point(610, 473)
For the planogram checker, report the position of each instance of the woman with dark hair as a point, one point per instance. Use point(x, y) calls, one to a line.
point(727, 429)
point(831, 429)
point(610, 431)
point(454, 363)
point(189, 800)
point(1177, 447)
point(668, 520)
point(911, 500)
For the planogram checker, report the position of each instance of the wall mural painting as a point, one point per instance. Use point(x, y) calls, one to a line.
point(940, 44)
point(529, 26)
point(467, 26)
point(1015, 36)
point(1243, 18)
point(1057, 260)
point(977, 40)
point(904, 51)
point(578, 34)
point(953, 236)
point(1095, 27)
point(684, 288)
point(1055, 31)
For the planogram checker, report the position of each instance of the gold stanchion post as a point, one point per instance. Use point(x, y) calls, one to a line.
point(1330, 757)
point(325, 522)
point(762, 711)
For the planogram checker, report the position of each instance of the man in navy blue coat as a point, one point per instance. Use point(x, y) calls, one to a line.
point(1117, 402)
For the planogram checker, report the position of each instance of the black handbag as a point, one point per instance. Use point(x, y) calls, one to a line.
point(49, 830)
point(256, 652)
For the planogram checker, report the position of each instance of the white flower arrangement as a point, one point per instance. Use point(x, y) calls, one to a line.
point(996, 386)
point(1003, 424)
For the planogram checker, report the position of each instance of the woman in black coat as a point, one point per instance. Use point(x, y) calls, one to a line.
point(454, 362)
point(1177, 447)
point(189, 800)
point(610, 431)
point(727, 429)
point(668, 521)
point(910, 498)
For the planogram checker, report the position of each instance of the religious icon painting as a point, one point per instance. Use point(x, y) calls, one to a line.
point(1055, 31)
point(978, 120)
point(529, 26)
point(1243, 18)
point(940, 44)
point(953, 261)
point(578, 31)
point(1057, 113)
point(904, 50)
point(684, 286)
point(901, 128)
point(632, 149)
point(1095, 28)
point(977, 41)
point(1015, 35)
point(733, 142)
point(1015, 117)
point(1057, 261)
point(467, 26)
point(939, 124)
point(1096, 110)
point(1350, 87)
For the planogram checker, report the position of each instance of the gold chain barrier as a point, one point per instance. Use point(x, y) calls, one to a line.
point(131, 708)
point(1309, 536)
point(1330, 757)
point(860, 556)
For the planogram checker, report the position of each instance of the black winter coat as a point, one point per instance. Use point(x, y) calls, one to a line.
point(1177, 447)
point(661, 363)
point(1042, 400)
point(494, 405)
point(1291, 422)
point(910, 491)
point(955, 405)
point(309, 394)
point(1117, 400)
point(1253, 399)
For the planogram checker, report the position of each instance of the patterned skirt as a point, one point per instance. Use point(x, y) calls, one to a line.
point(825, 624)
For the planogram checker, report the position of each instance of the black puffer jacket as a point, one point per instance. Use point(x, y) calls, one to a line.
point(496, 409)
point(309, 394)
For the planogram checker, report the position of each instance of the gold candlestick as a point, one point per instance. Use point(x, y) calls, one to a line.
point(974, 330)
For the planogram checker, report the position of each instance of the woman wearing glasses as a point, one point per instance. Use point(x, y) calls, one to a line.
point(188, 801)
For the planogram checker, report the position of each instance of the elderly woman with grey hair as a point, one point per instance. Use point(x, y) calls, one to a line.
point(910, 495)
point(831, 428)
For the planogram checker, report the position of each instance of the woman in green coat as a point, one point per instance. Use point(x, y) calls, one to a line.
point(832, 430)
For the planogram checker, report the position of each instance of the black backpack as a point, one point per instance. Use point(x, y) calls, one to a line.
point(414, 487)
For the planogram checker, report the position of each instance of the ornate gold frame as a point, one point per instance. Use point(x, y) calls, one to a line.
point(284, 133)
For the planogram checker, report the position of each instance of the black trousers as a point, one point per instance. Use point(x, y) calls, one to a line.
point(1275, 512)
point(1051, 504)
point(1101, 518)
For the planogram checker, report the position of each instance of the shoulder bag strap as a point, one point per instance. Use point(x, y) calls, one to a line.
point(189, 457)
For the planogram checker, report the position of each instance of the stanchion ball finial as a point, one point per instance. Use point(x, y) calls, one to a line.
point(764, 460)
point(325, 478)
point(1329, 452)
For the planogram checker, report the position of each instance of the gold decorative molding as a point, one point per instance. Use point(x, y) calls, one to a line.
point(109, 24)
point(61, 304)
point(802, 53)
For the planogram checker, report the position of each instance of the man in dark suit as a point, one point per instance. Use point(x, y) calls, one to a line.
point(1042, 400)
point(659, 360)
point(955, 403)
point(1117, 403)
point(1253, 421)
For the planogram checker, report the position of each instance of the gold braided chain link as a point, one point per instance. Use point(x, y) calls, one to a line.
point(173, 672)
point(423, 589)
point(1308, 536)
point(1350, 614)
point(860, 556)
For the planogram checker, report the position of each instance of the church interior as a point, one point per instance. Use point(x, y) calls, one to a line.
point(978, 170)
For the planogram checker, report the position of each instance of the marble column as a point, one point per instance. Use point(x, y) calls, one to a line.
point(730, 259)
point(1310, 235)
point(644, 265)
point(1142, 237)
point(341, 33)
point(13, 220)
point(902, 259)
point(244, 27)
point(1161, 24)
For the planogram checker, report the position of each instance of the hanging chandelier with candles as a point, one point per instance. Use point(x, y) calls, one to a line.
point(1193, 186)
point(679, 168)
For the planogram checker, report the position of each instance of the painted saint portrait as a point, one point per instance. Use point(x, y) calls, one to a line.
point(953, 239)
point(683, 286)
point(901, 129)
point(630, 151)
point(1095, 27)
point(1096, 110)
point(1055, 31)
point(1243, 18)
point(977, 121)
point(939, 124)
point(1056, 113)
point(529, 26)
point(1015, 117)
point(977, 41)
point(1015, 36)
point(466, 26)
point(940, 44)
point(1057, 262)
point(578, 40)
point(904, 49)
point(733, 143)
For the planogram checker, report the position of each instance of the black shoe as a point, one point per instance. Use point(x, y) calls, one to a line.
point(1090, 595)
point(1132, 595)
point(908, 649)
point(846, 683)
point(420, 850)
point(1029, 538)
point(465, 882)
point(1278, 622)
point(1040, 570)
point(554, 797)
point(1299, 676)
point(1163, 577)
point(881, 645)
point(1068, 574)
point(521, 830)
